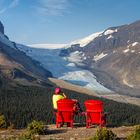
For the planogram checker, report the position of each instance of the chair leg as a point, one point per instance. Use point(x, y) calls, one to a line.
point(87, 125)
point(71, 124)
point(100, 126)
point(68, 124)
point(56, 124)
point(100, 120)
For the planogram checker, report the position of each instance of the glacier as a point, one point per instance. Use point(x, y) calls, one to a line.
point(62, 68)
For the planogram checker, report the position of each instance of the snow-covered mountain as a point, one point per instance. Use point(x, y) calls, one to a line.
point(113, 56)
point(84, 41)
point(105, 61)
point(61, 68)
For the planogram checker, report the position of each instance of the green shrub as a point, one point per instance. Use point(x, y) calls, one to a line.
point(33, 130)
point(28, 136)
point(104, 134)
point(135, 135)
point(35, 127)
point(2, 122)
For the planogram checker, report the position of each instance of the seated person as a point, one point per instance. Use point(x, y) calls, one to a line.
point(58, 94)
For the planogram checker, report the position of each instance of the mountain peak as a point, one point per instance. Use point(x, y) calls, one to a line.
point(1, 28)
point(84, 41)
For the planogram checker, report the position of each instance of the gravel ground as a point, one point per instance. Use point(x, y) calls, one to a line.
point(65, 133)
point(81, 133)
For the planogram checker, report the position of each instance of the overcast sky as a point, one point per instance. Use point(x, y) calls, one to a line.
point(62, 21)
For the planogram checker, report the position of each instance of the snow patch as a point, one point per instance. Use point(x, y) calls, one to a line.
point(71, 64)
point(132, 51)
point(100, 56)
point(85, 58)
point(126, 83)
point(85, 79)
point(75, 57)
point(77, 52)
point(125, 51)
point(83, 54)
point(83, 42)
point(48, 46)
point(110, 36)
point(134, 44)
point(107, 32)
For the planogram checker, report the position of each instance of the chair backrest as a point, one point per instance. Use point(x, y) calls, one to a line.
point(94, 111)
point(65, 105)
point(65, 110)
point(93, 106)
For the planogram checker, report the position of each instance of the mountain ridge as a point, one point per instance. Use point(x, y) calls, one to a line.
point(113, 57)
point(16, 66)
point(105, 59)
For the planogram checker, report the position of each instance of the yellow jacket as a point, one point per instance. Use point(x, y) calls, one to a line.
point(55, 98)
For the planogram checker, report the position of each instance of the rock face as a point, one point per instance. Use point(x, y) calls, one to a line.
point(114, 57)
point(1, 28)
point(16, 65)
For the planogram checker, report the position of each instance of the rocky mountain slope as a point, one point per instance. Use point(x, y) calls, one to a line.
point(105, 62)
point(16, 65)
point(113, 56)
point(1, 28)
point(67, 72)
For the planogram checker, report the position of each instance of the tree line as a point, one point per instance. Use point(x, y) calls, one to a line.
point(22, 104)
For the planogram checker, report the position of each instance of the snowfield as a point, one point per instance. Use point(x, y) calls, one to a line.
point(48, 46)
point(63, 68)
point(110, 36)
point(134, 44)
point(83, 42)
point(108, 32)
point(100, 56)
point(127, 50)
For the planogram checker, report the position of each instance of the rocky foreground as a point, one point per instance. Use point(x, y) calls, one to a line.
point(75, 133)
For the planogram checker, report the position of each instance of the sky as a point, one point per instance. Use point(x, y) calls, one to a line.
point(62, 21)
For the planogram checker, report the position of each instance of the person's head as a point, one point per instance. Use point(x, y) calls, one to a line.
point(57, 90)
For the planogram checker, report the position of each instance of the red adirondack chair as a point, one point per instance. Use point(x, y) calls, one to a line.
point(65, 113)
point(94, 113)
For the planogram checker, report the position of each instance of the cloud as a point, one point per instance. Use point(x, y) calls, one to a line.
point(13, 4)
point(53, 7)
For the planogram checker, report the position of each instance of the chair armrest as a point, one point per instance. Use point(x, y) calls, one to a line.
point(106, 113)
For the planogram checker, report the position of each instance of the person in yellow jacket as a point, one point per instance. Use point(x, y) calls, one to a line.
point(58, 94)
